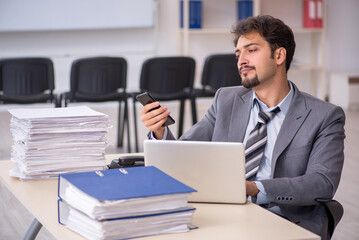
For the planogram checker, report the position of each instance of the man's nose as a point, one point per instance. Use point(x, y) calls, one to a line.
point(242, 61)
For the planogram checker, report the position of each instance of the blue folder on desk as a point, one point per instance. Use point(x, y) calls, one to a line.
point(117, 193)
point(123, 203)
point(115, 184)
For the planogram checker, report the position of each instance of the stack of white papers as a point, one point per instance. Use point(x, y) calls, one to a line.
point(126, 227)
point(51, 141)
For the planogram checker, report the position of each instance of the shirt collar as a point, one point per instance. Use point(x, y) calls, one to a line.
point(283, 105)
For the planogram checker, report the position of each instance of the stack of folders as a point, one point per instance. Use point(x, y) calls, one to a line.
point(123, 203)
point(51, 141)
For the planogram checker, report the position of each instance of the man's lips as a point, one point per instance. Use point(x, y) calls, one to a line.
point(246, 69)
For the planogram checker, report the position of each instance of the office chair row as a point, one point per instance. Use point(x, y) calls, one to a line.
point(101, 79)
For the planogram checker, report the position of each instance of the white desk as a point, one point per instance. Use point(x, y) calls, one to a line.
point(215, 221)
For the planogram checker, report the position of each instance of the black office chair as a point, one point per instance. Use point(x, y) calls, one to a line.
point(101, 79)
point(167, 79)
point(335, 213)
point(220, 70)
point(27, 80)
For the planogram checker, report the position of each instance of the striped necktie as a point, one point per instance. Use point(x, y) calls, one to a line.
point(256, 143)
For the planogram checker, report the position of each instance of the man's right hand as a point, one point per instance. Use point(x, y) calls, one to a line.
point(155, 119)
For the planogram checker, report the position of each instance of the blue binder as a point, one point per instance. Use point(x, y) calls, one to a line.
point(64, 207)
point(245, 9)
point(142, 200)
point(116, 184)
point(195, 14)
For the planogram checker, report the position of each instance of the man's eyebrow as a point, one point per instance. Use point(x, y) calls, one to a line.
point(247, 45)
point(250, 44)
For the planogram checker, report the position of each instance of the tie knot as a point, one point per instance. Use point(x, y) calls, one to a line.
point(265, 117)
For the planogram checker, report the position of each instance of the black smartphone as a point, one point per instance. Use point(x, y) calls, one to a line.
point(146, 98)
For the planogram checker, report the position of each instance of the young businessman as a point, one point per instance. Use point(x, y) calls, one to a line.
point(303, 154)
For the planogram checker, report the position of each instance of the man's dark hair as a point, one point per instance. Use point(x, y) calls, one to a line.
point(273, 30)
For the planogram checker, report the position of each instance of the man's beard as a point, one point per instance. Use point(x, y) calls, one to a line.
point(250, 82)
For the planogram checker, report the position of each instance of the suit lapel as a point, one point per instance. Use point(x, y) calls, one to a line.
point(240, 117)
point(294, 119)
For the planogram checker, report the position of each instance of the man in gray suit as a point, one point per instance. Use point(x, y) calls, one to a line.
point(303, 156)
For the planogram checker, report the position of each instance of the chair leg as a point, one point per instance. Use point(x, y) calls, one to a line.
point(57, 101)
point(60, 99)
point(135, 124)
point(126, 119)
point(121, 125)
point(194, 110)
point(181, 116)
point(33, 230)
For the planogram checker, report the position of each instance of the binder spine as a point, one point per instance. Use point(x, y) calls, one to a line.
point(59, 214)
point(313, 13)
point(319, 12)
point(195, 14)
point(244, 9)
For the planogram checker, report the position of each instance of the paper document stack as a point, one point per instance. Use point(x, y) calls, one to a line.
point(51, 141)
point(123, 203)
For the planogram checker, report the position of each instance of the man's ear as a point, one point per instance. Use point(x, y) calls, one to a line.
point(281, 55)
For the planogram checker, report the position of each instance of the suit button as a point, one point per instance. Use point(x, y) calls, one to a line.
point(278, 198)
point(290, 198)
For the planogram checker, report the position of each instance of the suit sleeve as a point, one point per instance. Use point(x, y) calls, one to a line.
point(324, 163)
point(203, 130)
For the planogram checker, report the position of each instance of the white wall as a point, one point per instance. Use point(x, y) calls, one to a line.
point(342, 36)
point(63, 47)
point(74, 15)
point(136, 45)
point(342, 51)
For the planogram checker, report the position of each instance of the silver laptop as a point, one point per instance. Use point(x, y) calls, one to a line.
point(214, 169)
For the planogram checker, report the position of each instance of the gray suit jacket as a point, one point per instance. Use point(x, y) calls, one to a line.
point(307, 158)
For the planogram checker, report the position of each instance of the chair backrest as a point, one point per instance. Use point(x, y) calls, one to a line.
point(26, 76)
point(335, 213)
point(163, 76)
point(98, 75)
point(220, 70)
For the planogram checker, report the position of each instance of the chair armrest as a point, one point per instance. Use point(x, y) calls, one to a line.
point(335, 212)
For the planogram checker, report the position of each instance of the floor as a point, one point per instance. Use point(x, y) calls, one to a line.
point(15, 219)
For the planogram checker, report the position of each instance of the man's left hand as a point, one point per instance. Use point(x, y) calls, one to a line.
point(251, 189)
